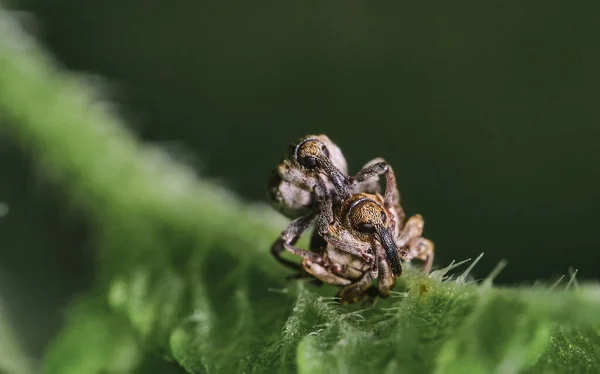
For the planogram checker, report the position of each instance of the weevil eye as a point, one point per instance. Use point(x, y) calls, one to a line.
point(364, 215)
point(383, 217)
point(325, 151)
point(309, 162)
point(366, 227)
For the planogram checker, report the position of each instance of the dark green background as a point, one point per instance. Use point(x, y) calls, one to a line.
point(488, 112)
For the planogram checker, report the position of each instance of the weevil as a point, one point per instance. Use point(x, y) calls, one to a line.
point(309, 180)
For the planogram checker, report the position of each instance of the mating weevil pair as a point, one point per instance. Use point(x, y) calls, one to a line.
point(360, 235)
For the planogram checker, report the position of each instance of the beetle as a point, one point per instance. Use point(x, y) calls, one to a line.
point(309, 179)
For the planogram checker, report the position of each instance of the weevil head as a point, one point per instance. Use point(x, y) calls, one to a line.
point(366, 218)
point(315, 152)
point(291, 185)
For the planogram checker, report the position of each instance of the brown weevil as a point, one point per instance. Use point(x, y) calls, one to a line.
point(311, 177)
point(366, 240)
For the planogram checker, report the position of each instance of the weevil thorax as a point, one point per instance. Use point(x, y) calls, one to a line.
point(296, 198)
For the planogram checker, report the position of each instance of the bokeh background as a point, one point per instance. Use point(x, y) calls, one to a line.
point(488, 111)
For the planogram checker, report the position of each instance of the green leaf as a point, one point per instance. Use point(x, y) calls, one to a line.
point(101, 342)
point(185, 275)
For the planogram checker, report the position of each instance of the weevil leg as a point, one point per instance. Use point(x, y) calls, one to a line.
point(386, 280)
point(357, 290)
point(413, 245)
point(372, 169)
point(297, 227)
point(320, 272)
point(411, 231)
point(317, 245)
point(311, 257)
point(391, 198)
point(423, 249)
point(290, 236)
point(349, 248)
point(367, 178)
point(325, 209)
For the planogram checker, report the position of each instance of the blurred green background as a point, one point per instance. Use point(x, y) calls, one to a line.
point(488, 111)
